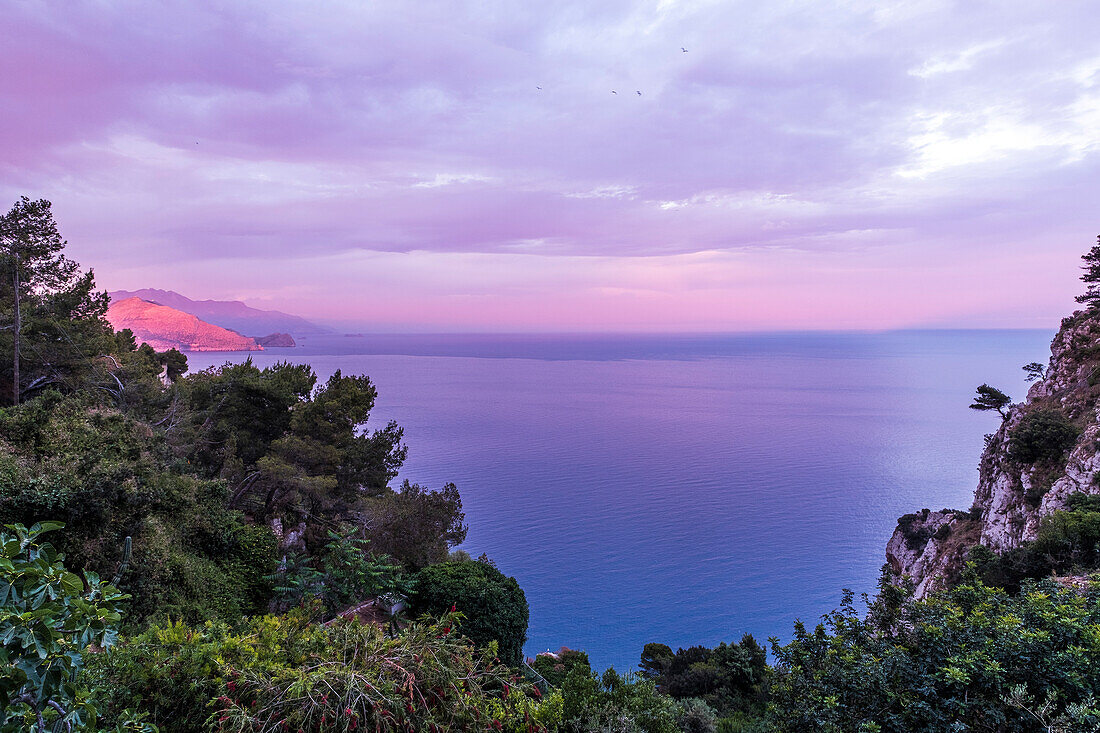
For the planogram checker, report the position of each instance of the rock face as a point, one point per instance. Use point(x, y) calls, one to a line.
point(280, 340)
point(1016, 490)
point(167, 328)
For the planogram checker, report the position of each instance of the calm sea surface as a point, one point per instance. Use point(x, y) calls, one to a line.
point(683, 489)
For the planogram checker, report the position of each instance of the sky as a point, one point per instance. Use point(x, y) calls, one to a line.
point(569, 166)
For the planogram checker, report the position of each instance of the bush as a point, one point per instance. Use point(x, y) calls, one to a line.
point(729, 678)
point(347, 574)
point(1042, 436)
point(615, 703)
point(948, 662)
point(554, 669)
point(913, 530)
point(287, 673)
point(494, 605)
point(1067, 541)
point(415, 526)
point(697, 717)
point(48, 619)
point(108, 476)
point(1070, 539)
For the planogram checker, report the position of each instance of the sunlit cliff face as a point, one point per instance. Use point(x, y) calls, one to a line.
point(638, 166)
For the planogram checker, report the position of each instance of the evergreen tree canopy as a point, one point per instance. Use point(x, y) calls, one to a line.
point(991, 398)
point(1091, 297)
point(494, 604)
point(53, 333)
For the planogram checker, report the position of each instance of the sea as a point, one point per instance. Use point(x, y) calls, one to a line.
point(682, 489)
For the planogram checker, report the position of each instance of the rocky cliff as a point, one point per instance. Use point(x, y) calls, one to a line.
point(1046, 449)
point(167, 328)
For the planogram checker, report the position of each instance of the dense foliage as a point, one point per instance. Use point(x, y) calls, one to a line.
point(611, 702)
point(729, 678)
point(555, 667)
point(348, 572)
point(1042, 435)
point(290, 449)
point(49, 617)
point(108, 476)
point(415, 525)
point(290, 673)
point(1068, 542)
point(972, 658)
point(494, 604)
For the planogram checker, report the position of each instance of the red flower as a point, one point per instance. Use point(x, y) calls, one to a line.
point(232, 686)
point(453, 606)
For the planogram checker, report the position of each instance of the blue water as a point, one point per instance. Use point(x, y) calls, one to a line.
point(683, 489)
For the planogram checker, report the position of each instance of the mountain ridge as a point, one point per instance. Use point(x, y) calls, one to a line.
point(230, 314)
point(164, 327)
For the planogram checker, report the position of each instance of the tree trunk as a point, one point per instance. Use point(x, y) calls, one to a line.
point(15, 345)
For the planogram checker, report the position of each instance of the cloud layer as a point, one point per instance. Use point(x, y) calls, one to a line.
point(635, 165)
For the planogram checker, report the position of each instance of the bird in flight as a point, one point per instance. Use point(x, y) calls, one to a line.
point(538, 87)
point(613, 91)
point(639, 94)
point(683, 49)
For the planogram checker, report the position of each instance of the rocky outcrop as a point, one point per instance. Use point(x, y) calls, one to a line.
point(278, 340)
point(928, 546)
point(166, 328)
point(1046, 449)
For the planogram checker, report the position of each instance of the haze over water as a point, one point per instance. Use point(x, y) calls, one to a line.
point(683, 489)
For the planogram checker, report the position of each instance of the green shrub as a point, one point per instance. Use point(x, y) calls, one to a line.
point(1042, 436)
point(343, 574)
point(697, 717)
point(107, 476)
point(1071, 539)
point(554, 669)
point(948, 662)
point(729, 678)
point(48, 619)
point(913, 530)
point(494, 605)
point(1067, 541)
point(1011, 568)
point(287, 673)
point(612, 702)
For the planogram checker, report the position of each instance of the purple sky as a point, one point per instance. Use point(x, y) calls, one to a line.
point(396, 165)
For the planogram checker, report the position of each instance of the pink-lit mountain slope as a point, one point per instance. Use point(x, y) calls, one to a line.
point(167, 328)
point(231, 314)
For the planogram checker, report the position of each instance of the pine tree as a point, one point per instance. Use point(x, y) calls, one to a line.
point(50, 315)
point(991, 398)
point(1091, 278)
